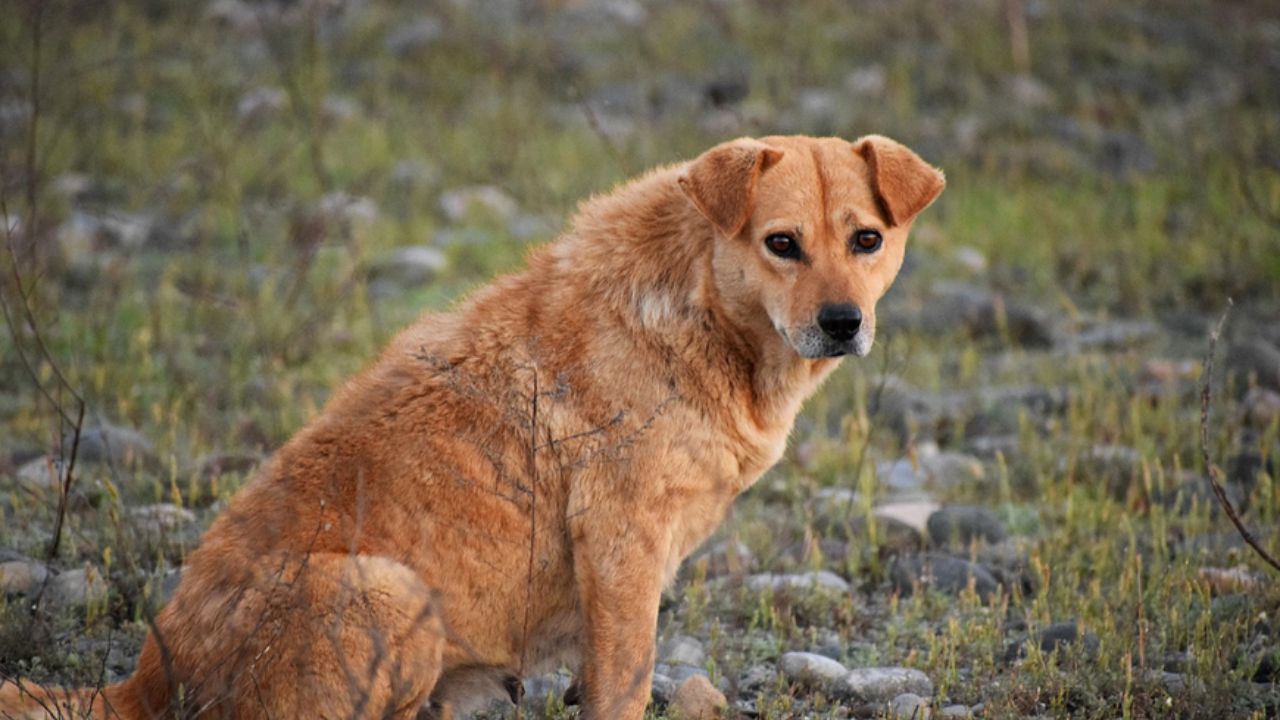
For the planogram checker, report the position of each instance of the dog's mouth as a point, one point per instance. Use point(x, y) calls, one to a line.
point(811, 343)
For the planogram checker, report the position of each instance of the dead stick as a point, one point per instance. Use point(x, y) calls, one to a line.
point(1215, 472)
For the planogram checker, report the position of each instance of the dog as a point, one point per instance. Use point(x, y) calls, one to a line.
point(509, 487)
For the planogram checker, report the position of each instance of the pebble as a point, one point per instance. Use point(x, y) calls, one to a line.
point(1060, 636)
point(725, 558)
point(955, 712)
point(811, 669)
point(940, 572)
point(118, 446)
point(682, 650)
point(413, 37)
point(697, 699)
point(407, 267)
point(21, 576)
point(161, 518)
point(1256, 359)
point(914, 514)
point(883, 684)
point(457, 205)
point(909, 706)
point(1260, 407)
point(962, 524)
point(821, 579)
point(75, 589)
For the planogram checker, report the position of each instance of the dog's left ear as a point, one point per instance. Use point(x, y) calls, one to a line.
point(721, 182)
point(904, 183)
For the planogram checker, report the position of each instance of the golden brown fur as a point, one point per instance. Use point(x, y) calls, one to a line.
point(511, 484)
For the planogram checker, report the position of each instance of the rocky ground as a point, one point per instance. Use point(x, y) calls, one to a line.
point(1003, 512)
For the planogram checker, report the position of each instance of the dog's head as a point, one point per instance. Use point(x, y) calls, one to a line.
point(810, 232)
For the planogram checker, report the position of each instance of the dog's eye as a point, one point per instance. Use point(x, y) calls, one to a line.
point(866, 241)
point(782, 245)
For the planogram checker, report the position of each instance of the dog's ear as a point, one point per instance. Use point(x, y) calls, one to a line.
point(721, 182)
point(904, 183)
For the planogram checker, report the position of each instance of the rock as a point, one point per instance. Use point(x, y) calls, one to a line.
point(817, 553)
point(412, 174)
point(1255, 360)
point(909, 706)
point(725, 558)
point(889, 535)
point(1063, 635)
point(1029, 93)
point(119, 447)
point(340, 207)
point(960, 307)
point(75, 589)
point(407, 267)
point(757, 678)
point(1260, 407)
point(697, 699)
point(913, 514)
point(867, 80)
point(909, 411)
point(215, 465)
point(955, 712)
point(458, 205)
point(820, 579)
point(939, 572)
point(169, 583)
point(880, 685)
point(538, 689)
point(1117, 335)
point(260, 105)
point(21, 576)
point(1113, 465)
point(1225, 581)
point(338, 109)
point(1009, 566)
point(962, 524)
point(413, 37)
point(42, 478)
point(161, 518)
point(664, 688)
point(811, 669)
point(682, 650)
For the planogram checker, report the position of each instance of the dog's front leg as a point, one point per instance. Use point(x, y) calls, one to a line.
point(618, 569)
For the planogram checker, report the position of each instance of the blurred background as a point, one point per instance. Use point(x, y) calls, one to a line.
point(215, 211)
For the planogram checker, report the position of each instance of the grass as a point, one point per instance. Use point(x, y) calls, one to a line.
point(1136, 179)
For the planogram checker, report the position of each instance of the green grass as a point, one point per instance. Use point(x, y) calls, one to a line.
point(228, 331)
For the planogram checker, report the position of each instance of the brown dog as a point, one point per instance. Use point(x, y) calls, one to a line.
point(510, 486)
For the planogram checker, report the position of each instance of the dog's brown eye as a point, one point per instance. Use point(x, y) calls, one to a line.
point(867, 241)
point(782, 245)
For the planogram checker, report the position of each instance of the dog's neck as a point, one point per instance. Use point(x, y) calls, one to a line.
point(661, 281)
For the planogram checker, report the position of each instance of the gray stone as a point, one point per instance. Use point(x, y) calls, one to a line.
point(664, 688)
point(457, 205)
point(75, 590)
point(538, 689)
point(979, 312)
point(909, 706)
point(413, 37)
point(161, 518)
point(1260, 407)
point(682, 650)
point(939, 572)
point(1256, 360)
point(757, 678)
point(408, 267)
point(883, 684)
point(1063, 635)
point(260, 105)
point(962, 524)
point(21, 576)
point(811, 669)
point(120, 447)
point(955, 712)
point(820, 579)
point(725, 558)
point(1117, 335)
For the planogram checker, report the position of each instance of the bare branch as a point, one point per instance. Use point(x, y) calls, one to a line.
point(1215, 472)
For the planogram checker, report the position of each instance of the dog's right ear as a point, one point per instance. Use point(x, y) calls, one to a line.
point(721, 182)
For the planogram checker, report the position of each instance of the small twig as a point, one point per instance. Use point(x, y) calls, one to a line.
point(1215, 472)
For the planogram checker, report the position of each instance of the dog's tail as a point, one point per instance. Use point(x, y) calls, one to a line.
point(21, 700)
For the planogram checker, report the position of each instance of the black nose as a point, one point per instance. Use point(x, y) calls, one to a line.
point(840, 321)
